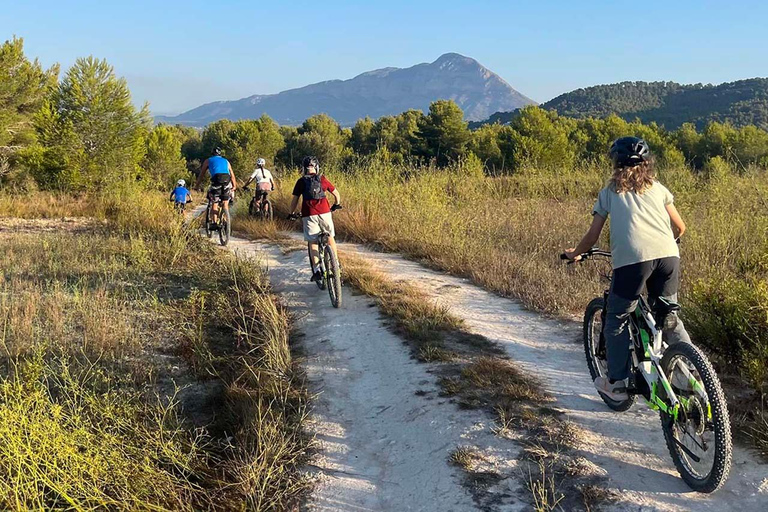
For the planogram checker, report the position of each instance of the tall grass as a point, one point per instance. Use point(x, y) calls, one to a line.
point(140, 368)
point(505, 233)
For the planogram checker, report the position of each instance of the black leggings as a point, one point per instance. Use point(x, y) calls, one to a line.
point(662, 277)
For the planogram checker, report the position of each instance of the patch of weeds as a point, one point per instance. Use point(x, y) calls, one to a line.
point(593, 496)
point(545, 487)
point(431, 353)
point(464, 457)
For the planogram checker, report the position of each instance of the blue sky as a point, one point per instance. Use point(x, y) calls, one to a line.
point(178, 54)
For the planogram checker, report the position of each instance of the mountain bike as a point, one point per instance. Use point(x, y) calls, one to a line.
point(179, 207)
point(260, 206)
point(329, 266)
point(223, 225)
point(675, 379)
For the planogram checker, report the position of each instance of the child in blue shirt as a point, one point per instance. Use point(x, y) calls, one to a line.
point(180, 195)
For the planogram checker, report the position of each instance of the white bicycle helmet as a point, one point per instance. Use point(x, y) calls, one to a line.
point(261, 162)
point(181, 183)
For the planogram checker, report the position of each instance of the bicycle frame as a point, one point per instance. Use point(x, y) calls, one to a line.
point(650, 369)
point(648, 337)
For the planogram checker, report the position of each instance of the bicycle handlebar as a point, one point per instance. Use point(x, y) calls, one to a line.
point(595, 251)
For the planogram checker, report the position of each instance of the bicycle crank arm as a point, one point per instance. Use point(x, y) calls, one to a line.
point(688, 452)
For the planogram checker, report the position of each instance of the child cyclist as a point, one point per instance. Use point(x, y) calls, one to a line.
point(180, 195)
point(644, 228)
point(315, 209)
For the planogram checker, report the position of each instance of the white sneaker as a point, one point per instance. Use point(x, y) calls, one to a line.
point(616, 391)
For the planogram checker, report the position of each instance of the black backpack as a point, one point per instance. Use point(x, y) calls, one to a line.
point(313, 188)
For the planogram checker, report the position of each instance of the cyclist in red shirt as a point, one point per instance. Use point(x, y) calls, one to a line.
point(315, 209)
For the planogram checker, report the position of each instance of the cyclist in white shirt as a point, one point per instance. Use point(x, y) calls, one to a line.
point(264, 181)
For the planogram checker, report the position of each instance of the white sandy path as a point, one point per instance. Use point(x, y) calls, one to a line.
point(629, 446)
point(382, 447)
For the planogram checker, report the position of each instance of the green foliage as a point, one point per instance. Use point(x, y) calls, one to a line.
point(443, 132)
point(242, 142)
point(363, 139)
point(163, 163)
point(23, 87)
point(321, 136)
point(538, 138)
point(485, 145)
point(669, 104)
point(92, 134)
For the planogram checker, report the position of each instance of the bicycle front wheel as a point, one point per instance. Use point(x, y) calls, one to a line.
point(699, 438)
point(224, 226)
point(208, 231)
point(594, 349)
point(333, 276)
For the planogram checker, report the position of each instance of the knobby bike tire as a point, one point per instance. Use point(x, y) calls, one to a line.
point(333, 275)
point(321, 283)
point(208, 231)
point(591, 315)
point(225, 227)
point(266, 210)
point(721, 425)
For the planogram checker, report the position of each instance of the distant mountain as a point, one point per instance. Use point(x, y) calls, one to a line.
point(387, 91)
point(667, 103)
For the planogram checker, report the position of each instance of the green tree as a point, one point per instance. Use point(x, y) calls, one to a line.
point(92, 132)
point(363, 139)
point(23, 88)
point(321, 136)
point(243, 142)
point(444, 133)
point(538, 138)
point(163, 162)
point(689, 142)
point(485, 145)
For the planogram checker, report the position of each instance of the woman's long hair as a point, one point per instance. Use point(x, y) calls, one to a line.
point(637, 178)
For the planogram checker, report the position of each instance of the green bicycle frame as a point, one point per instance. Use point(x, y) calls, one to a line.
point(652, 346)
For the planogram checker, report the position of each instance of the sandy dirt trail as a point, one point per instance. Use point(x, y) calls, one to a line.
point(382, 446)
point(629, 446)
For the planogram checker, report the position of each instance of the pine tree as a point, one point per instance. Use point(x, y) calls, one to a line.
point(23, 87)
point(94, 130)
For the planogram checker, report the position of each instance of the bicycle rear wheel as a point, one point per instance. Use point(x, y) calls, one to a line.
point(699, 439)
point(266, 210)
point(333, 275)
point(224, 226)
point(594, 349)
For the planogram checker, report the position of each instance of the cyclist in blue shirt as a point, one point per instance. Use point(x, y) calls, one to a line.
point(180, 195)
point(223, 182)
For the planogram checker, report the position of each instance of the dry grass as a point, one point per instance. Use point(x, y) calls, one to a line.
point(464, 457)
point(134, 378)
point(506, 234)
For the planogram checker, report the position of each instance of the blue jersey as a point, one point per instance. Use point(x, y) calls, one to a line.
point(180, 194)
point(218, 165)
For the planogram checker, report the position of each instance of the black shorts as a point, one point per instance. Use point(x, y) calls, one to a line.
point(660, 276)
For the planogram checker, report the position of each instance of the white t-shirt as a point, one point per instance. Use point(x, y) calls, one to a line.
point(262, 178)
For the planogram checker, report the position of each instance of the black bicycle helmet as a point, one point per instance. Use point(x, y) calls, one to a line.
point(217, 151)
point(310, 160)
point(629, 151)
